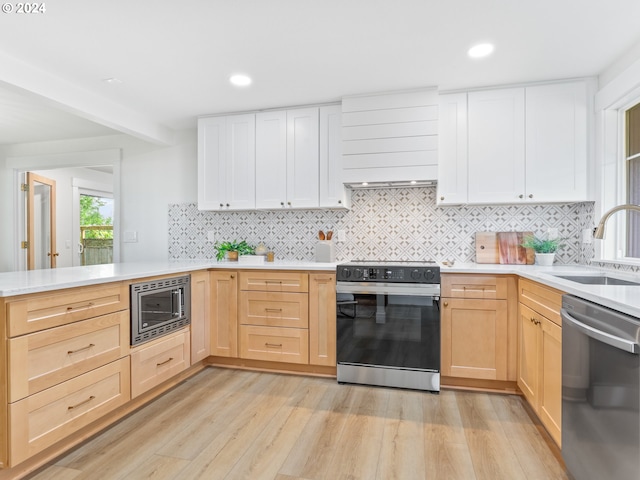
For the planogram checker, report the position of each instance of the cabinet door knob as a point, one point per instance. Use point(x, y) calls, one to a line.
point(221, 205)
point(441, 198)
point(446, 304)
point(531, 195)
point(520, 196)
point(282, 204)
point(339, 201)
point(289, 203)
point(228, 205)
point(233, 276)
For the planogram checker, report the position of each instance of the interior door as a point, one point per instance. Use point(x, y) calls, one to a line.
point(41, 222)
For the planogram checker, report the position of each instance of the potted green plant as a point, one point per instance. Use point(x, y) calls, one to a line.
point(233, 249)
point(545, 248)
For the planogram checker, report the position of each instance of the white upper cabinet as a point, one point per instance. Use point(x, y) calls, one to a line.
point(556, 146)
point(271, 159)
point(452, 149)
point(226, 163)
point(303, 158)
point(211, 161)
point(390, 137)
point(287, 159)
point(333, 193)
point(496, 146)
point(514, 145)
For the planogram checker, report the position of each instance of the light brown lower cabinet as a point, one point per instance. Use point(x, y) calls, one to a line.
point(154, 362)
point(322, 319)
point(224, 313)
point(44, 418)
point(474, 338)
point(200, 313)
point(287, 317)
point(540, 354)
point(479, 324)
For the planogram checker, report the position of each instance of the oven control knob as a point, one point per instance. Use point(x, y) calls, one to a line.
point(346, 273)
point(357, 273)
point(429, 274)
point(415, 274)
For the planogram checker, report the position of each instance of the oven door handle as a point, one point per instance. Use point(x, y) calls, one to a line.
point(599, 335)
point(417, 290)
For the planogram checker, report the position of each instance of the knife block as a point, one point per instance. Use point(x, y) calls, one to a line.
point(325, 251)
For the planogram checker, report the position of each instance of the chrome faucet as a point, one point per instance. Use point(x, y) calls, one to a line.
point(598, 232)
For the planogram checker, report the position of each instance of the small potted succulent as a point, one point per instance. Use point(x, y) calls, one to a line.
point(232, 249)
point(545, 248)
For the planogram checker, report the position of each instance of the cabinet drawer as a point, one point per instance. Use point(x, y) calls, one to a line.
point(274, 344)
point(38, 312)
point(545, 300)
point(274, 281)
point(43, 359)
point(487, 287)
point(157, 361)
point(274, 309)
point(43, 419)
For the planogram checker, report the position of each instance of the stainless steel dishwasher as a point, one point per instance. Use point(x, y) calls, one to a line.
point(600, 391)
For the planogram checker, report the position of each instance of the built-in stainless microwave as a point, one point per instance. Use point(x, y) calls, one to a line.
point(159, 307)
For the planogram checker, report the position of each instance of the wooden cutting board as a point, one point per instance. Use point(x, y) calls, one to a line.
point(503, 247)
point(487, 247)
point(511, 252)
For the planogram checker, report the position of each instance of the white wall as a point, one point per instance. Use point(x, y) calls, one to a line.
point(619, 88)
point(150, 181)
point(151, 177)
point(6, 215)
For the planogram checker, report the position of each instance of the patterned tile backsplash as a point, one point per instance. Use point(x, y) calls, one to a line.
point(384, 224)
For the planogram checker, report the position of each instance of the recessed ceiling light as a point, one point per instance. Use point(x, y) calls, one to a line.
point(112, 81)
point(413, 182)
point(240, 80)
point(480, 50)
point(364, 184)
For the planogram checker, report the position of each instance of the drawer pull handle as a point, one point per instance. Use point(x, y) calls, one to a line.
point(273, 310)
point(279, 282)
point(71, 352)
point(164, 363)
point(88, 305)
point(71, 407)
point(276, 345)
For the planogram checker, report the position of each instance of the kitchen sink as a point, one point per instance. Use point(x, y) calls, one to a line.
point(597, 280)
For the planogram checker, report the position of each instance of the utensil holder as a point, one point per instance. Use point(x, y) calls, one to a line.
point(325, 251)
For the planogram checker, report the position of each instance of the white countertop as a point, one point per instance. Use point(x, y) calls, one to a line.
point(34, 281)
point(622, 298)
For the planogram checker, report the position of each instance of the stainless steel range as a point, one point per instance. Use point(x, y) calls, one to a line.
point(388, 330)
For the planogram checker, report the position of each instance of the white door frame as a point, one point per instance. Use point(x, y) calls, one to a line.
point(20, 165)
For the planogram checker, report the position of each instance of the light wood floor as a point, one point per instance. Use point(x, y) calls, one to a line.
point(232, 424)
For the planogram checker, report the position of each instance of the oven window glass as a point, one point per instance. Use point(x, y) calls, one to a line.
point(389, 330)
point(158, 307)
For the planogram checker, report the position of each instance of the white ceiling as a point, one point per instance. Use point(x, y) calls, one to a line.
point(174, 58)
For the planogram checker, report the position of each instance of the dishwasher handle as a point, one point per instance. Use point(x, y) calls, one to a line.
point(604, 337)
